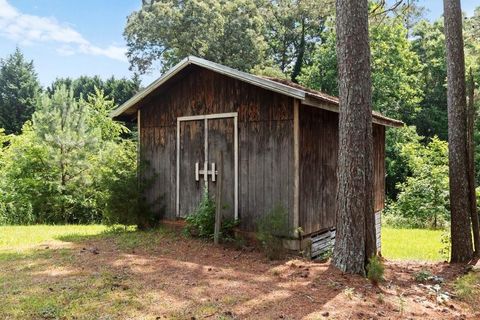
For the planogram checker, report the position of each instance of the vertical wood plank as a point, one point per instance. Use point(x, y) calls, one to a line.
point(296, 165)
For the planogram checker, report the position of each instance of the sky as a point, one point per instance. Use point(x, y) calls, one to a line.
point(70, 38)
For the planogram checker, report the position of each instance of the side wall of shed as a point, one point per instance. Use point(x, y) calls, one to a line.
point(265, 132)
point(318, 165)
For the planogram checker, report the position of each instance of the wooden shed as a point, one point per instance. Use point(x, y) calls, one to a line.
point(279, 143)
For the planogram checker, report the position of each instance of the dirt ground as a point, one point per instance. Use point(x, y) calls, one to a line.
point(174, 277)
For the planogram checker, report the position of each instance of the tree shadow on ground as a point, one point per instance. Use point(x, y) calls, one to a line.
point(161, 273)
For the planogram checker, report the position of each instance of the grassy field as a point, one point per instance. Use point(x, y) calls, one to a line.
point(18, 238)
point(412, 244)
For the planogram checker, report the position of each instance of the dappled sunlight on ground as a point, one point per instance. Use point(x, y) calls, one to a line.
point(161, 275)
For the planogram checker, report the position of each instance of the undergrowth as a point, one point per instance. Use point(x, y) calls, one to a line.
point(375, 270)
point(201, 223)
point(270, 229)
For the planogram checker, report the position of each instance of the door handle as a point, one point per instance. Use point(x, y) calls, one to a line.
point(205, 172)
point(197, 171)
point(213, 172)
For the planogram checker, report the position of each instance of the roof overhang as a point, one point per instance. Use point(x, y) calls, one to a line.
point(307, 97)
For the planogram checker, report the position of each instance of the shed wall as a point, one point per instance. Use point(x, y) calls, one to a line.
point(318, 165)
point(265, 132)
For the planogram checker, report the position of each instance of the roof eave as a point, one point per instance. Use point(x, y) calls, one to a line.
point(332, 104)
point(257, 81)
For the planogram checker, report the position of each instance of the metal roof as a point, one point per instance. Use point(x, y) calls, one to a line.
point(288, 89)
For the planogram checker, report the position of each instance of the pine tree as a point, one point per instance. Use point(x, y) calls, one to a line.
point(19, 88)
point(355, 238)
point(460, 188)
point(61, 124)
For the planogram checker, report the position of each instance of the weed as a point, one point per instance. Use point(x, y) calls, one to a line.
point(48, 312)
point(401, 304)
point(375, 270)
point(446, 245)
point(422, 276)
point(270, 229)
point(201, 223)
point(349, 292)
point(326, 255)
point(381, 298)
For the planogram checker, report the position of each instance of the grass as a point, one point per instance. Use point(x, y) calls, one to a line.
point(37, 282)
point(468, 286)
point(412, 244)
point(18, 238)
point(41, 283)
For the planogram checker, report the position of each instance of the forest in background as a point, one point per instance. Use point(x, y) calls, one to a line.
point(63, 160)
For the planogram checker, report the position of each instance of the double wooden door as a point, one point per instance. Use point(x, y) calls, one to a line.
point(202, 142)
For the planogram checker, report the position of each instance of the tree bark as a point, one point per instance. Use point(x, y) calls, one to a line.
point(460, 199)
point(471, 161)
point(355, 236)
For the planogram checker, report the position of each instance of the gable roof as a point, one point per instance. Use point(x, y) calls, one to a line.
point(307, 96)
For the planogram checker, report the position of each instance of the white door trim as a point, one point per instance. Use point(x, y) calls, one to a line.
point(233, 115)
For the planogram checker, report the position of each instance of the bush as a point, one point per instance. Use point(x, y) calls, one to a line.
point(375, 270)
point(423, 200)
point(201, 223)
point(69, 165)
point(123, 201)
point(270, 229)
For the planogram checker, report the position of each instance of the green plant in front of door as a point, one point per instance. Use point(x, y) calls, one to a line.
point(201, 223)
point(271, 228)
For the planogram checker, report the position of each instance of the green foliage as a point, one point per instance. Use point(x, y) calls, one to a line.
point(123, 198)
point(201, 223)
point(118, 90)
point(292, 30)
point(396, 162)
point(228, 32)
point(446, 240)
point(19, 88)
point(423, 199)
point(271, 227)
point(429, 44)
point(422, 276)
point(375, 270)
point(395, 69)
point(70, 165)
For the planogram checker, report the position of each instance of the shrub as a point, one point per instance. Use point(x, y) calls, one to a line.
point(423, 199)
point(375, 270)
point(201, 222)
point(270, 229)
point(124, 201)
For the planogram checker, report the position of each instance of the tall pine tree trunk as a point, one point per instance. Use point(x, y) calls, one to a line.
point(355, 236)
point(460, 194)
point(471, 161)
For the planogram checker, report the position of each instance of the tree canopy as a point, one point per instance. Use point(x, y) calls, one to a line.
point(19, 87)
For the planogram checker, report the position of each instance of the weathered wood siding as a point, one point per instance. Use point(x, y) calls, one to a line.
point(265, 131)
point(318, 165)
point(379, 166)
